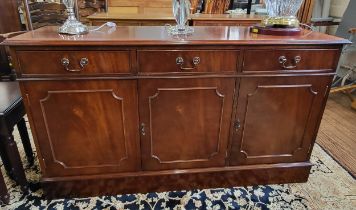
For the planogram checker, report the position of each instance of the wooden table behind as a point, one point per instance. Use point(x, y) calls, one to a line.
point(162, 19)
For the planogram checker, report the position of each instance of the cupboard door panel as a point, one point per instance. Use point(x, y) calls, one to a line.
point(279, 119)
point(185, 123)
point(97, 130)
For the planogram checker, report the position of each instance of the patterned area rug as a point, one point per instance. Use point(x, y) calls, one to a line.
point(329, 187)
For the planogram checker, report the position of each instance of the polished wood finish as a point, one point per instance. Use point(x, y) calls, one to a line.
point(101, 119)
point(293, 107)
point(310, 60)
point(235, 116)
point(97, 62)
point(209, 61)
point(179, 116)
point(163, 181)
point(156, 36)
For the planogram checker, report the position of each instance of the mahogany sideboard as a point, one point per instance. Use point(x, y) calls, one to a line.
point(137, 110)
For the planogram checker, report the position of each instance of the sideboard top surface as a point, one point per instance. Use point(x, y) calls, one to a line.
point(157, 35)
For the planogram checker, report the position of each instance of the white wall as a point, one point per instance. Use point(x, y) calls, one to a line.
point(337, 9)
point(329, 8)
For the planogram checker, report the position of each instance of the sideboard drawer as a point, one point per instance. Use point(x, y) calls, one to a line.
point(182, 61)
point(74, 62)
point(288, 60)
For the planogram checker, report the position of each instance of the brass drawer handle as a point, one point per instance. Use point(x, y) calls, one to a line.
point(83, 62)
point(283, 60)
point(180, 61)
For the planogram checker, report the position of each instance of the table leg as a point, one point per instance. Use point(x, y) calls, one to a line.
point(13, 155)
point(25, 140)
point(4, 195)
point(249, 5)
point(5, 158)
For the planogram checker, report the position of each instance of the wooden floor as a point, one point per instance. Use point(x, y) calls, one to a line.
point(337, 133)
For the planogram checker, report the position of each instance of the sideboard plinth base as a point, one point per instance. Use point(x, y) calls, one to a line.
point(160, 181)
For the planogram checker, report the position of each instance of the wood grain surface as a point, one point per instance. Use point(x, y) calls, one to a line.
point(158, 129)
point(337, 134)
point(157, 35)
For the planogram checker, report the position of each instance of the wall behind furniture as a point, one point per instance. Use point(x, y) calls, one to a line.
point(329, 8)
point(337, 10)
point(338, 7)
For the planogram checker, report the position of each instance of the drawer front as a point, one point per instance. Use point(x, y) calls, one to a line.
point(183, 61)
point(289, 60)
point(74, 62)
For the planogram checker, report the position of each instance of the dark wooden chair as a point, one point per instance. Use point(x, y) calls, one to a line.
point(4, 195)
point(6, 72)
point(12, 113)
point(41, 14)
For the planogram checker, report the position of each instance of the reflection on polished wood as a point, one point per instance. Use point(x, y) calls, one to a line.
point(156, 35)
point(153, 112)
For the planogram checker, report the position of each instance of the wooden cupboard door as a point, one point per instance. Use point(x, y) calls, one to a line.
point(277, 119)
point(185, 122)
point(85, 127)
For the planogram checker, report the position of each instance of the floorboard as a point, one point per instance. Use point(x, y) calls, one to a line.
point(337, 133)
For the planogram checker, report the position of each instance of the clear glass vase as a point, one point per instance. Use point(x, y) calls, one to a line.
point(181, 12)
point(282, 12)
